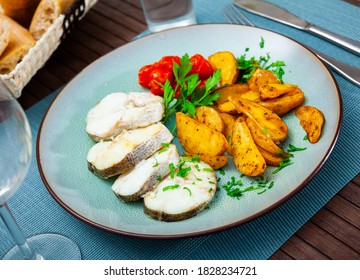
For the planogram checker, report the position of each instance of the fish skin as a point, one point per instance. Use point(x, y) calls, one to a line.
point(132, 147)
point(131, 185)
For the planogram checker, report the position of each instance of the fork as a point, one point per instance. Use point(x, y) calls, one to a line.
point(235, 16)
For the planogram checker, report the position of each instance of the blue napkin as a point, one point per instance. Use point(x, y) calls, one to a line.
point(37, 212)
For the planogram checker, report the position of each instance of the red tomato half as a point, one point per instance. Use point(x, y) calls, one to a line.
point(158, 77)
point(201, 66)
point(144, 75)
point(169, 61)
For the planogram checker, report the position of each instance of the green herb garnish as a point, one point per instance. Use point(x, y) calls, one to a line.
point(171, 187)
point(190, 95)
point(262, 43)
point(186, 188)
point(234, 188)
point(292, 148)
point(208, 170)
point(172, 170)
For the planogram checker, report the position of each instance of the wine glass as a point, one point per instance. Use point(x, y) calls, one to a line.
point(15, 157)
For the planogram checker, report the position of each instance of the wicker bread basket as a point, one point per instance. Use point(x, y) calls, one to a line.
point(37, 56)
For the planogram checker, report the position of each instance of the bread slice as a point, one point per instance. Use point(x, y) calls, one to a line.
point(20, 42)
point(45, 15)
point(4, 36)
point(21, 11)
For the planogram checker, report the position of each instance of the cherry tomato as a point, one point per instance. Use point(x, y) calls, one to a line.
point(201, 66)
point(158, 77)
point(144, 75)
point(169, 61)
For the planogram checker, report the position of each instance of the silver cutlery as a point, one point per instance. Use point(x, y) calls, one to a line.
point(276, 13)
point(351, 73)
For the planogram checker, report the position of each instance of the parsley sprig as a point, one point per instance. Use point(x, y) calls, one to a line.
point(248, 66)
point(190, 96)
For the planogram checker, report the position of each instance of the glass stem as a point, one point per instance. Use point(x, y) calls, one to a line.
point(16, 232)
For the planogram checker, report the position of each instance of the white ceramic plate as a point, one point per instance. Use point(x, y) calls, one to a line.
point(63, 143)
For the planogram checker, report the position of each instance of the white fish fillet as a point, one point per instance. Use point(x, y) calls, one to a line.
point(110, 158)
point(131, 185)
point(178, 198)
point(119, 111)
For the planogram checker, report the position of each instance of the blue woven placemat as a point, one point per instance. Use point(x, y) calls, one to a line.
point(36, 211)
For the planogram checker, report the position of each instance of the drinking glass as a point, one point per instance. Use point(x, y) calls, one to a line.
point(15, 157)
point(166, 14)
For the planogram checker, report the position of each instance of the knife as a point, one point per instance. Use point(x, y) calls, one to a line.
point(276, 13)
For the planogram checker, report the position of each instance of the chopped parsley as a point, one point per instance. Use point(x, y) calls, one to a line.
point(292, 148)
point(286, 161)
point(171, 187)
point(208, 170)
point(186, 188)
point(262, 43)
point(235, 188)
point(172, 170)
point(221, 171)
point(156, 162)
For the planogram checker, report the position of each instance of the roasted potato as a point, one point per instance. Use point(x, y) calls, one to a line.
point(247, 158)
point(199, 139)
point(252, 95)
point(269, 91)
point(270, 159)
point(228, 107)
point(264, 142)
point(229, 121)
point(312, 120)
point(210, 117)
point(285, 103)
point(230, 90)
point(267, 121)
point(226, 61)
point(262, 77)
point(215, 162)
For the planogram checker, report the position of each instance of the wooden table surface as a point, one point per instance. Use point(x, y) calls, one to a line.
point(333, 233)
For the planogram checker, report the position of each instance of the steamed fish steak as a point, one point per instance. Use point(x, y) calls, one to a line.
point(183, 193)
point(110, 158)
point(119, 111)
point(131, 185)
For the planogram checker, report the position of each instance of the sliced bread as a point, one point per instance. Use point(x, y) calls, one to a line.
point(45, 15)
point(20, 42)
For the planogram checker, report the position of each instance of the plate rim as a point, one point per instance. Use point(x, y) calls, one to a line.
point(206, 231)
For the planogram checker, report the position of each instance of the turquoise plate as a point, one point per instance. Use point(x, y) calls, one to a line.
point(63, 144)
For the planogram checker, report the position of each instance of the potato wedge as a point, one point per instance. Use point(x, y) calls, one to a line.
point(230, 90)
point(312, 120)
point(270, 159)
point(252, 95)
point(269, 91)
point(199, 139)
point(285, 103)
point(262, 77)
point(215, 162)
point(228, 107)
point(226, 61)
point(229, 121)
point(267, 121)
point(264, 142)
point(247, 158)
point(210, 117)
